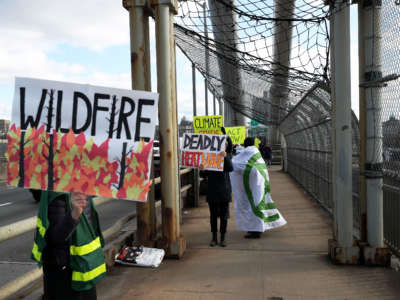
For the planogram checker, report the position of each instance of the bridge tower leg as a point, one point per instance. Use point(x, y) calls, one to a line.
point(223, 20)
point(282, 49)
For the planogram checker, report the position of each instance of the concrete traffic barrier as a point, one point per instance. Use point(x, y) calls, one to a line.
point(17, 228)
point(19, 283)
point(20, 227)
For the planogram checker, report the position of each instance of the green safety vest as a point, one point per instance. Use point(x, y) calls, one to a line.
point(86, 254)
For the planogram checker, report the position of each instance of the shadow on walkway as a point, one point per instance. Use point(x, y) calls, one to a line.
point(286, 263)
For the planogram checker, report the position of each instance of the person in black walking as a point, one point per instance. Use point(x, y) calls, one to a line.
point(219, 195)
point(266, 152)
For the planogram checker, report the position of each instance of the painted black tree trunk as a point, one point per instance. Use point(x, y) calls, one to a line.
point(113, 112)
point(123, 166)
point(50, 174)
point(21, 171)
point(50, 158)
point(50, 109)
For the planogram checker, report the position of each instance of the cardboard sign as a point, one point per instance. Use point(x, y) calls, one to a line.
point(207, 124)
point(72, 137)
point(237, 134)
point(198, 149)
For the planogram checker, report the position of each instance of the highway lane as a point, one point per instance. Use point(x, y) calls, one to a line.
point(15, 253)
point(16, 204)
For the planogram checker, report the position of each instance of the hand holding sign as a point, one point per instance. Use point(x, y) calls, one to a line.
point(78, 203)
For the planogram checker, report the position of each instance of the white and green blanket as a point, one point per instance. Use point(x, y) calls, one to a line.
point(254, 208)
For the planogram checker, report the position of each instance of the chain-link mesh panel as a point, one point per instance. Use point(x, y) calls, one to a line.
point(390, 117)
point(307, 131)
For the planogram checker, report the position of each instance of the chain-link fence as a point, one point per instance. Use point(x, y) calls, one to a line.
point(307, 130)
point(390, 115)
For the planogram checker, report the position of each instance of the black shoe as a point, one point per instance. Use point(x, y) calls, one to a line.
point(223, 242)
point(253, 235)
point(213, 242)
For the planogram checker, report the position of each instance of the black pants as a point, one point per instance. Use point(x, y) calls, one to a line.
point(57, 285)
point(220, 210)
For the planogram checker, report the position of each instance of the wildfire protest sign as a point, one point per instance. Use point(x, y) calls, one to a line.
point(207, 124)
point(198, 149)
point(72, 137)
point(237, 134)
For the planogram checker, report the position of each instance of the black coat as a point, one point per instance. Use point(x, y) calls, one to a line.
point(62, 225)
point(219, 184)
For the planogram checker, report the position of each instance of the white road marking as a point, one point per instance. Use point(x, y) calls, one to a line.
point(4, 204)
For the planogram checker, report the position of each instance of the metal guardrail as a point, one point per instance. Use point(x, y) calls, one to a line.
point(391, 213)
point(3, 168)
point(20, 227)
point(307, 131)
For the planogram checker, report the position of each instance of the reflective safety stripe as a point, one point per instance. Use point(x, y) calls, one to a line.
point(36, 253)
point(79, 276)
point(40, 227)
point(85, 249)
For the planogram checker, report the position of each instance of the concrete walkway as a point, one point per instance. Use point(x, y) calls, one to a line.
point(287, 263)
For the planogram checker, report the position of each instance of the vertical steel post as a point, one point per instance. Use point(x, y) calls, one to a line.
point(196, 172)
point(206, 56)
point(172, 240)
point(362, 126)
point(342, 250)
point(342, 125)
point(214, 105)
point(371, 160)
point(373, 167)
point(141, 80)
point(221, 108)
point(194, 89)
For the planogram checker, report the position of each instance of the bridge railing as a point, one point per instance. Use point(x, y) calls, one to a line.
point(307, 133)
point(391, 210)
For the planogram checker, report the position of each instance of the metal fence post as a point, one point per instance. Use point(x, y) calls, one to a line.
point(170, 190)
point(221, 107)
point(141, 80)
point(371, 104)
point(214, 104)
point(342, 249)
point(363, 129)
point(206, 56)
point(196, 173)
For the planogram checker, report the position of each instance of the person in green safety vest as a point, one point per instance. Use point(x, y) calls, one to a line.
point(68, 244)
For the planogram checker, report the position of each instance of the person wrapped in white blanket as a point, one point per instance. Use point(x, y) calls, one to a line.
point(254, 209)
